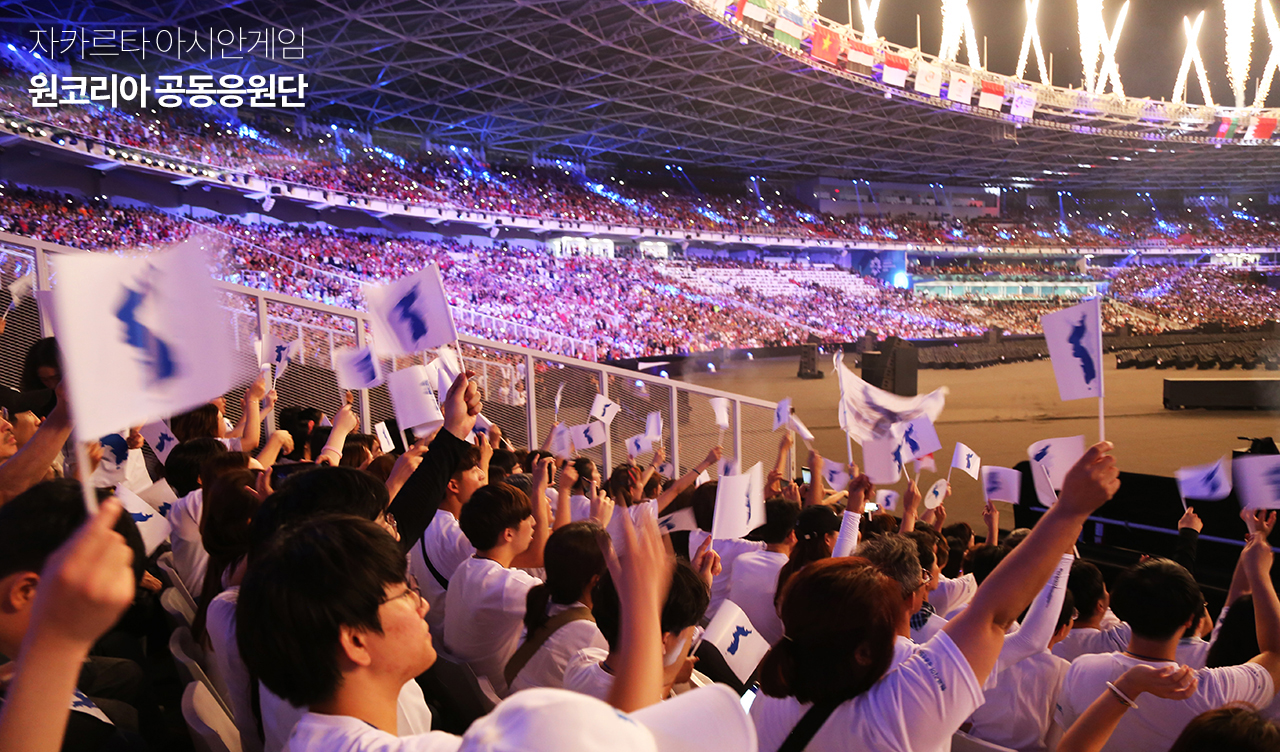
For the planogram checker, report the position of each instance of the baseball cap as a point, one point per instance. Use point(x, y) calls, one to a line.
point(557, 720)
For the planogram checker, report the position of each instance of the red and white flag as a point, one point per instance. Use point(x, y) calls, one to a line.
point(895, 70)
point(992, 97)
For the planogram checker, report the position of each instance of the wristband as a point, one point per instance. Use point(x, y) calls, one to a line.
point(1121, 696)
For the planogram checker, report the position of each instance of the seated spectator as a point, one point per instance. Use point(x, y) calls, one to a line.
point(755, 574)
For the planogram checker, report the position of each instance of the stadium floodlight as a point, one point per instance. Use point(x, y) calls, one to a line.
point(1239, 24)
point(1030, 40)
point(957, 27)
point(1189, 58)
point(1273, 60)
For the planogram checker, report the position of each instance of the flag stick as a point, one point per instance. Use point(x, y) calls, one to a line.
point(953, 467)
point(1102, 381)
point(848, 445)
point(83, 472)
point(720, 440)
point(1102, 423)
point(1182, 498)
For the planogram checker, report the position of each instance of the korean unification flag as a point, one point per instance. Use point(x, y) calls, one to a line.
point(677, 521)
point(141, 337)
point(385, 440)
point(801, 429)
point(884, 459)
point(967, 460)
point(920, 438)
point(160, 438)
point(720, 406)
point(588, 436)
point(1210, 482)
point(736, 638)
point(1074, 336)
point(887, 499)
point(653, 427)
point(1001, 484)
point(1257, 480)
point(835, 475)
point(561, 444)
point(1055, 456)
point(279, 353)
point(782, 414)
point(414, 403)
point(638, 445)
point(604, 409)
point(411, 314)
point(872, 412)
point(357, 368)
point(152, 526)
point(739, 504)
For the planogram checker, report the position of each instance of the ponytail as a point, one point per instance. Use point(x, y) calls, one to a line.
point(535, 604)
point(574, 561)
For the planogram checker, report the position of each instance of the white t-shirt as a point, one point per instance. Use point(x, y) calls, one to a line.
point(448, 547)
point(189, 556)
point(584, 674)
point(1156, 723)
point(929, 629)
point(579, 508)
point(315, 732)
point(1020, 707)
point(752, 587)
point(279, 717)
point(1191, 651)
point(546, 667)
point(221, 625)
point(729, 549)
point(953, 595)
point(915, 707)
point(484, 613)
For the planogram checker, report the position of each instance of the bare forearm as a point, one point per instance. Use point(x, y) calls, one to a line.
point(686, 480)
point(29, 466)
point(252, 426)
point(639, 671)
point(1266, 611)
point(1095, 725)
point(38, 702)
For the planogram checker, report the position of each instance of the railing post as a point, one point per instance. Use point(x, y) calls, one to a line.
point(264, 327)
point(737, 433)
point(675, 431)
point(364, 393)
point(530, 400)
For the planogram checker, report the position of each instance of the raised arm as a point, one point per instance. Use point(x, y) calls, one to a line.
point(688, 479)
point(1041, 619)
point(642, 577)
point(859, 490)
point(991, 518)
point(910, 507)
point(1189, 527)
point(252, 415)
point(280, 442)
point(344, 422)
point(1256, 560)
point(979, 630)
point(814, 493)
point(1095, 725)
point(28, 466)
point(532, 557)
point(780, 464)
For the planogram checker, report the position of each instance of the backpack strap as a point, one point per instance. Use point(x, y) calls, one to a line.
point(539, 636)
point(808, 727)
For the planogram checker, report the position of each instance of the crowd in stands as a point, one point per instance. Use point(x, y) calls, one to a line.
point(317, 593)
point(1007, 271)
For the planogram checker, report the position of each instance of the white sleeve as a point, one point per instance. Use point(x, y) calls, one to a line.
point(848, 540)
point(1040, 622)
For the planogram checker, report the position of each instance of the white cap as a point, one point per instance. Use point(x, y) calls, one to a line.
point(557, 720)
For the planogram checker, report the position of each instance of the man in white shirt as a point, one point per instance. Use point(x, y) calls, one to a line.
point(729, 549)
point(754, 581)
point(898, 558)
point(1161, 601)
point(443, 546)
point(485, 602)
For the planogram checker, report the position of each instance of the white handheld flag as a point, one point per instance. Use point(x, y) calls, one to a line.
point(1257, 480)
point(736, 638)
point(888, 499)
point(1056, 456)
point(872, 411)
point(638, 445)
point(884, 458)
point(926, 463)
point(703, 477)
point(967, 460)
point(603, 409)
point(1001, 484)
point(281, 354)
point(653, 426)
point(1074, 336)
point(936, 494)
point(159, 496)
point(20, 288)
point(726, 466)
point(739, 504)
point(720, 406)
point(152, 526)
point(357, 368)
point(921, 438)
point(834, 475)
point(782, 413)
point(1211, 482)
point(801, 429)
point(561, 444)
point(413, 401)
point(160, 438)
point(383, 433)
point(141, 337)
point(559, 396)
point(682, 519)
point(411, 314)
point(588, 436)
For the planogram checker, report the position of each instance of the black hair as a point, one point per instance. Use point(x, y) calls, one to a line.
point(37, 521)
point(1088, 587)
point(221, 463)
point(503, 463)
point(318, 438)
point(294, 419)
point(468, 458)
point(1067, 614)
point(42, 353)
point(573, 560)
point(586, 467)
point(1157, 598)
point(307, 583)
point(962, 530)
point(196, 423)
point(813, 525)
point(491, 510)
point(357, 448)
point(228, 510)
point(1237, 640)
point(956, 550)
point(1239, 729)
point(780, 517)
point(182, 469)
point(982, 560)
point(686, 604)
point(925, 547)
point(321, 490)
point(704, 505)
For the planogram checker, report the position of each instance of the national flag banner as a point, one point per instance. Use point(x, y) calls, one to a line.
point(152, 526)
point(1227, 127)
point(653, 426)
point(1211, 482)
point(357, 367)
point(141, 337)
point(929, 79)
point(737, 639)
point(720, 406)
point(873, 411)
point(888, 499)
point(561, 443)
point(884, 459)
point(801, 429)
point(1262, 128)
point(1257, 480)
point(1001, 484)
point(589, 435)
point(754, 10)
point(414, 403)
point(789, 28)
point(1074, 337)
point(967, 460)
point(1024, 104)
point(638, 445)
point(961, 87)
point(895, 70)
point(21, 288)
point(385, 440)
point(782, 413)
point(739, 504)
point(992, 96)
point(861, 53)
point(160, 438)
point(826, 44)
point(1056, 456)
point(604, 409)
point(920, 438)
point(411, 314)
point(835, 475)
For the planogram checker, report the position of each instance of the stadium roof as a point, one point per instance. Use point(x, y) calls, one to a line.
point(604, 80)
